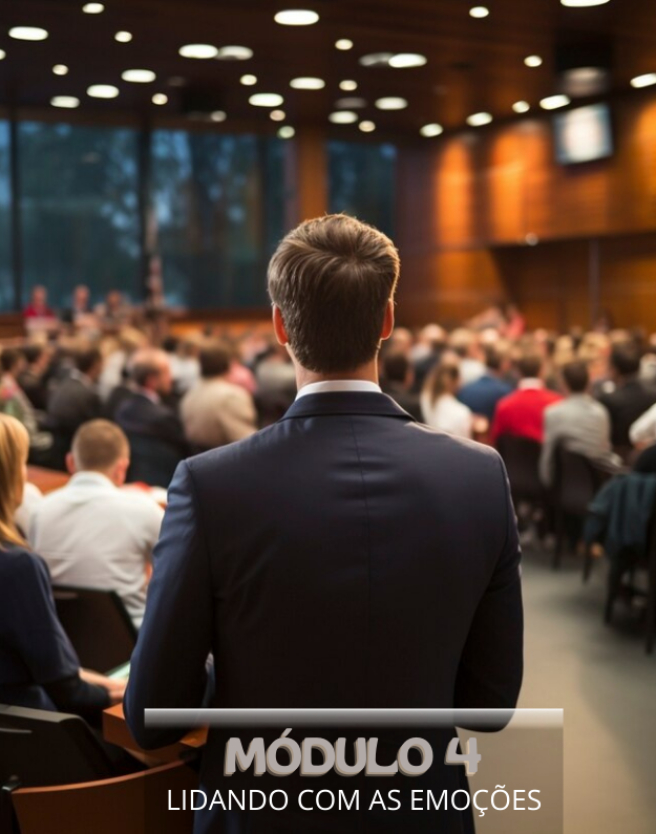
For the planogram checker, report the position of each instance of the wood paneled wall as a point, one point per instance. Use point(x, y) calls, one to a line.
point(468, 203)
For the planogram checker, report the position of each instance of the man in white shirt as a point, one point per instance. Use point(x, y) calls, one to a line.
point(91, 533)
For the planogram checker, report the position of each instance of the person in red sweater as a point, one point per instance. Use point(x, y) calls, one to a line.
point(522, 412)
point(38, 306)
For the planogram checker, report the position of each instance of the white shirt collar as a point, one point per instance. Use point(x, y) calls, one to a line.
point(529, 382)
point(332, 385)
point(88, 478)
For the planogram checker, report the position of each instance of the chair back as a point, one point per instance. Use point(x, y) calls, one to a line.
point(38, 747)
point(521, 456)
point(127, 804)
point(152, 461)
point(97, 625)
point(577, 481)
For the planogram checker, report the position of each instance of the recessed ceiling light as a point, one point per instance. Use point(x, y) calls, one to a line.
point(376, 59)
point(348, 86)
point(296, 17)
point(160, 98)
point(307, 83)
point(479, 119)
point(533, 61)
point(479, 11)
point(343, 117)
point(218, 116)
point(234, 53)
point(69, 102)
point(28, 33)
point(391, 103)
point(123, 37)
point(266, 100)
point(407, 59)
point(93, 8)
point(581, 3)
point(645, 80)
point(248, 80)
point(102, 91)
point(521, 107)
point(553, 102)
point(277, 115)
point(60, 69)
point(350, 103)
point(3, 54)
point(344, 44)
point(138, 76)
point(202, 51)
point(432, 129)
point(367, 126)
point(286, 132)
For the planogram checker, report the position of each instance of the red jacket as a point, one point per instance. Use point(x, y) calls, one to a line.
point(522, 413)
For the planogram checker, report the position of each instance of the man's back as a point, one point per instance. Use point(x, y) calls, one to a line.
point(482, 395)
point(522, 412)
point(344, 557)
point(138, 414)
point(625, 404)
point(94, 535)
point(215, 412)
point(72, 403)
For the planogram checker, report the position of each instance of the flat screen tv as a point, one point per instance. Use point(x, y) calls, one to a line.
point(583, 134)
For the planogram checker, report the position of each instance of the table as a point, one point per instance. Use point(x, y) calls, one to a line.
point(116, 731)
point(47, 480)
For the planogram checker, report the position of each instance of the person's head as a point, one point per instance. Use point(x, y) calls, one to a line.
point(443, 379)
point(397, 368)
point(14, 448)
point(624, 362)
point(113, 301)
point(215, 358)
point(529, 365)
point(37, 357)
point(39, 296)
point(90, 363)
point(100, 446)
point(151, 369)
point(401, 340)
point(433, 336)
point(576, 377)
point(12, 361)
point(81, 296)
point(332, 283)
point(463, 342)
point(496, 358)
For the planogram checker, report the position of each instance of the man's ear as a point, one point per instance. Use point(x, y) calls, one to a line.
point(279, 327)
point(388, 321)
point(70, 464)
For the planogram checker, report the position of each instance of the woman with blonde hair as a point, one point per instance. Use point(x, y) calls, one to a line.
point(439, 406)
point(38, 665)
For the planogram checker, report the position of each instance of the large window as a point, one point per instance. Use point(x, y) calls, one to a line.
point(217, 206)
point(6, 275)
point(361, 182)
point(79, 209)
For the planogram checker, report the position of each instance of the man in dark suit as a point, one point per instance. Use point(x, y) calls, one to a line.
point(76, 400)
point(482, 395)
point(345, 556)
point(630, 398)
point(154, 429)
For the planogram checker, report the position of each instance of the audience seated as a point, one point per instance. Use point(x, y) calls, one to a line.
point(215, 411)
point(579, 422)
point(143, 412)
point(38, 665)
point(33, 378)
point(465, 344)
point(521, 413)
point(630, 397)
point(76, 400)
point(426, 352)
point(91, 533)
point(14, 402)
point(397, 380)
point(439, 406)
point(482, 395)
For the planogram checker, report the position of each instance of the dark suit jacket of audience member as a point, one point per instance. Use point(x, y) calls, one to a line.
point(344, 557)
point(73, 402)
point(625, 405)
point(35, 387)
point(138, 414)
point(482, 395)
point(408, 400)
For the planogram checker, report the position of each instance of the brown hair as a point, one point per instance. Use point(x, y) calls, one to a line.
point(444, 376)
point(215, 359)
point(99, 444)
point(14, 448)
point(331, 279)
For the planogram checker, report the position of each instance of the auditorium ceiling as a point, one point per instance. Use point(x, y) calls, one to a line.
point(473, 65)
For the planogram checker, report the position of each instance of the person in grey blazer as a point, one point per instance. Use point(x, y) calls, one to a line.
point(579, 422)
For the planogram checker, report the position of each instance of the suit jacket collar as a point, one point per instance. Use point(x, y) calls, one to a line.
point(346, 402)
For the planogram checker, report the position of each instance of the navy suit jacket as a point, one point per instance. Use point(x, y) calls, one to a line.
point(482, 395)
point(345, 556)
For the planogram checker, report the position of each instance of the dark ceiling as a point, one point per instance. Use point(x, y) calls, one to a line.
point(473, 64)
